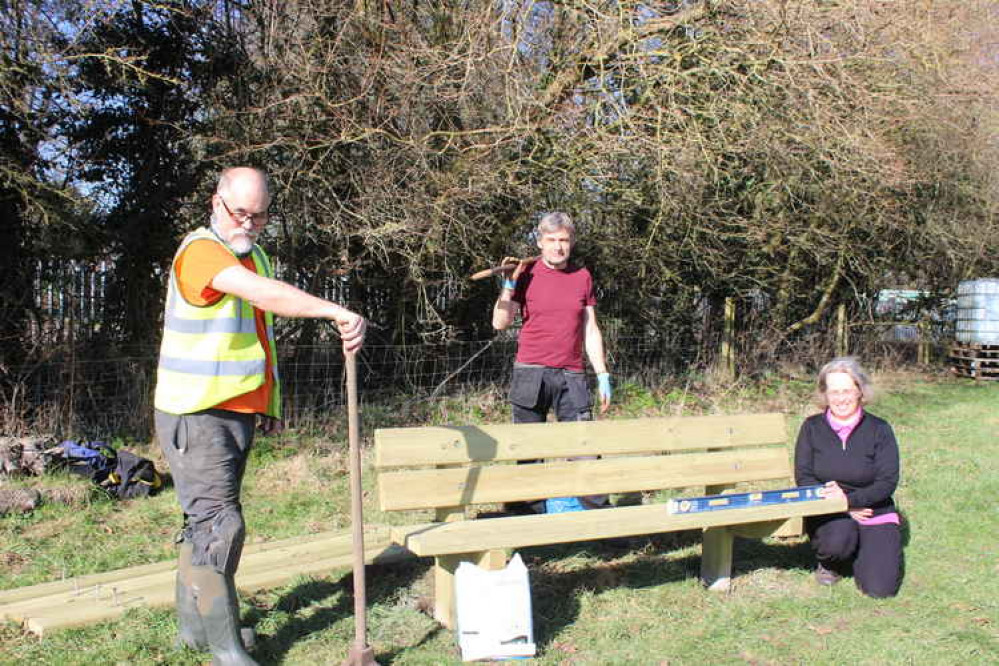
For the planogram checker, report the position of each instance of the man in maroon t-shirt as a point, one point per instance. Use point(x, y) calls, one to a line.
point(557, 305)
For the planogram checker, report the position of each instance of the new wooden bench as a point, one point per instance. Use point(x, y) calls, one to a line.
point(451, 469)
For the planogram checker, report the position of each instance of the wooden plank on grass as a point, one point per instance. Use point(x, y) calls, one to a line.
point(18, 594)
point(110, 577)
point(264, 566)
point(523, 531)
point(128, 587)
point(424, 488)
point(399, 447)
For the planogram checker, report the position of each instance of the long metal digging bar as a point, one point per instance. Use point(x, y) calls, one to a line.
point(360, 653)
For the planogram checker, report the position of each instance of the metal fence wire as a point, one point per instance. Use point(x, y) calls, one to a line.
point(82, 382)
point(76, 394)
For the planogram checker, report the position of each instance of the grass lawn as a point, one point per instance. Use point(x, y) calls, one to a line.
point(594, 603)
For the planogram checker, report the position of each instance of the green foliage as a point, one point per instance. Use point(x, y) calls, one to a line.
point(789, 154)
point(634, 399)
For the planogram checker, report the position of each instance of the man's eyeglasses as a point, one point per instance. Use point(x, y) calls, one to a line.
point(241, 216)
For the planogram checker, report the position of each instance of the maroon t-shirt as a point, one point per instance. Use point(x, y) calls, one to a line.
point(553, 305)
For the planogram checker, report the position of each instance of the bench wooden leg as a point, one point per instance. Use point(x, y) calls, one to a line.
point(716, 558)
point(445, 609)
point(792, 527)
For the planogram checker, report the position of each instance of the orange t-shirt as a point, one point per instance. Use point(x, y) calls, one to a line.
point(196, 267)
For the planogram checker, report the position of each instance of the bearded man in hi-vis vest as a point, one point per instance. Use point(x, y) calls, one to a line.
point(217, 380)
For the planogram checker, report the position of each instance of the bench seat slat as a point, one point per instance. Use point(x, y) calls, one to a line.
point(436, 539)
point(446, 445)
point(426, 488)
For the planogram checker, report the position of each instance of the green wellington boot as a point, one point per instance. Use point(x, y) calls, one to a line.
point(215, 595)
point(190, 629)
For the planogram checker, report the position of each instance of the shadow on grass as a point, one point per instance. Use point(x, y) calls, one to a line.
point(556, 583)
point(555, 592)
point(383, 584)
point(388, 658)
point(555, 589)
point(748, 555)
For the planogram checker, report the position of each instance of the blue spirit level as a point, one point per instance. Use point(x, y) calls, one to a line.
point(743, 500)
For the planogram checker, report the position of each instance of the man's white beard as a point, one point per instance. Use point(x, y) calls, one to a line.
point(241, 244)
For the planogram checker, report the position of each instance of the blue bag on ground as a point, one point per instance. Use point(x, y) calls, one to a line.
point(93, 460)
point(563, 505)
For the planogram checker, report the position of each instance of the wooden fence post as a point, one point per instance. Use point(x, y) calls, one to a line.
point(727, 360)
point(923, 351)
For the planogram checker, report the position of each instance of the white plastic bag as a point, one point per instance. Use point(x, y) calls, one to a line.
point(494, 611)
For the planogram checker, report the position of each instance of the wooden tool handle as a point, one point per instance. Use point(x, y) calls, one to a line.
point(489, 272)
point(502, 268)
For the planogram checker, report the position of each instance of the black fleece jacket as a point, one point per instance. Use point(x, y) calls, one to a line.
point(866, 470)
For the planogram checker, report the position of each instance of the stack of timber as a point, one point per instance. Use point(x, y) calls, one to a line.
point(94, 598)
point(975, 360)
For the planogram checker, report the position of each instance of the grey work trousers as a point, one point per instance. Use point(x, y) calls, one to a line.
point(535, 390)
point(207, 453)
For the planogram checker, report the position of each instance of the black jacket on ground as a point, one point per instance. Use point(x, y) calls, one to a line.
point(866, 470)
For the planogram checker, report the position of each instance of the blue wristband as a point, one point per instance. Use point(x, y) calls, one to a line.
point(509, 284)
point(604, 385)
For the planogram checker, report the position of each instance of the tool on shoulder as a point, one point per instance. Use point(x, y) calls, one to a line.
point(743, 500)
point(505, 267)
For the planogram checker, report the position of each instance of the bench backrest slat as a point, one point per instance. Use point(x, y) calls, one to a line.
point(428, 488)
point(451, 445)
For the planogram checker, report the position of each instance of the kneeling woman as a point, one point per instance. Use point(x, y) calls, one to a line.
point(853, 453)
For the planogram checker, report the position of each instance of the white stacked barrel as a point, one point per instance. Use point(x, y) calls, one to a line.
point(978, 312)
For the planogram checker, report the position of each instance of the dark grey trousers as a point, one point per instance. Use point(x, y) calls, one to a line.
point(207, 453)
point(874, 551)
point(537, 390)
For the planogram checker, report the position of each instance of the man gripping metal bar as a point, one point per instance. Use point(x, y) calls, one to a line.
point(217, 379)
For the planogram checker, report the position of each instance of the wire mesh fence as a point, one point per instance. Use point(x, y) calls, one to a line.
point(85, 395)
point(81, 380)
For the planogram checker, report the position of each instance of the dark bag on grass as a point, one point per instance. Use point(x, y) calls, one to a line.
point(134, 476)
point(93, 460)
